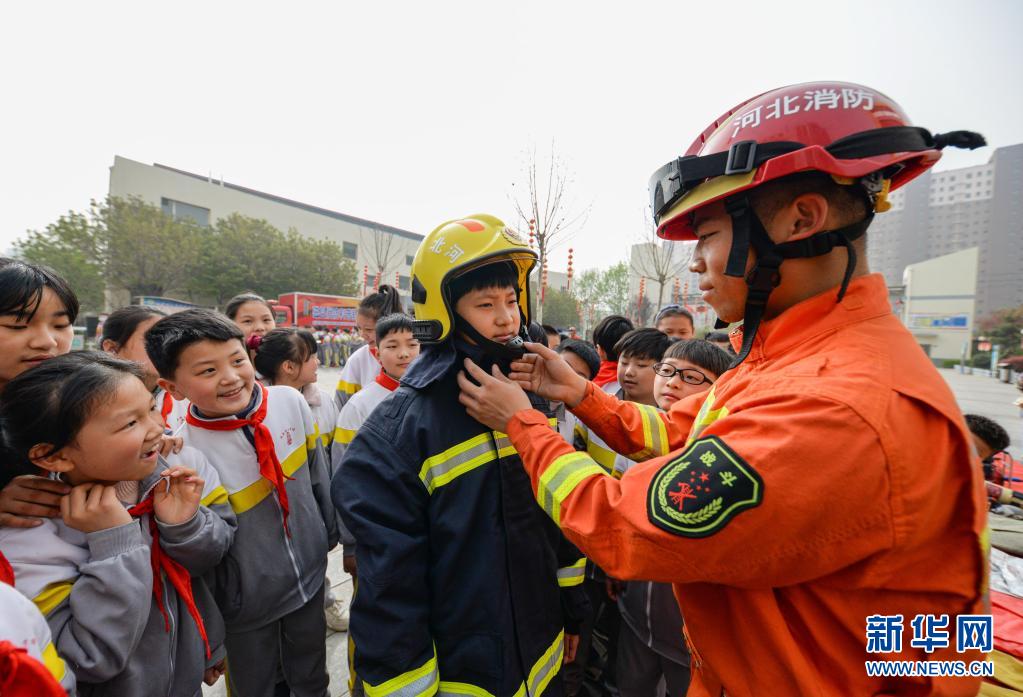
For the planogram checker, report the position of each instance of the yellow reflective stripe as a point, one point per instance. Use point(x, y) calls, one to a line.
point(416, 683)
point(52, 596)
point(553, 422)
point(573, 575)
point(344, 435)
point(655, 435)
point(251, 495)
point(462, 688)
point(560, 478)
point(326, 439)
point(311, 439)
point(466, 456)
point(547, 667)
point(603, 457)
point(540, 675)
point(348, 388)
point(53, 662)
point(216, 497)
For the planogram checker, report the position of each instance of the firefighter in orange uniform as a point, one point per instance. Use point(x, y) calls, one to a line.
point(824, 494)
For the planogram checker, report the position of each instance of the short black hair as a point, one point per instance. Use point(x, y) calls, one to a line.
point(549, 329)
point(167, 339)
point(235, 303)
point(989, 431)
point(122, 323)
point(585, 351)
point(21, 289)
point(608, 332)
point(674, 311)
point(537, 334)
point(395, 322)
point(701, 353)
point(500, 274)
point(53, 401)
point(385, 301)
point(643, 343)
point(849, 201)
point(283, 344)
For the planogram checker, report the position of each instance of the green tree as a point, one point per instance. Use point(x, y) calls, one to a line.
point(560, 309)
point(72, 248)
point(146, 251)
point(614, 289)
point(1002, 328)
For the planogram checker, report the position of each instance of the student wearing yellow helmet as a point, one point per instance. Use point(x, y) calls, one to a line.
point(465, 586)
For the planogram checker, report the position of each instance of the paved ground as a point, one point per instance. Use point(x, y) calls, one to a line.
point(975, 394)
point(991, 398)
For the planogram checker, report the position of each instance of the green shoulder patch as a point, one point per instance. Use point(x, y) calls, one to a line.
point(697, 493)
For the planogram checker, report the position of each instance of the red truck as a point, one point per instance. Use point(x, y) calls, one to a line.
point(312, 310)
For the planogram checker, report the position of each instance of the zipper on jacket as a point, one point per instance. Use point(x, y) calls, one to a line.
point(291, 553)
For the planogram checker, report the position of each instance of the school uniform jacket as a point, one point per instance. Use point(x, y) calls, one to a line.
point(24, 626)
point(358, 372)
point(96, 592)
point(460, 574)
point(268, 573)
point(324, 409)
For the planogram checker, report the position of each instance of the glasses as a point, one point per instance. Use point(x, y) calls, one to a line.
point(690, 376)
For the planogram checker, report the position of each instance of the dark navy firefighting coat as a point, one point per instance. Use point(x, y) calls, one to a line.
point(465, 586)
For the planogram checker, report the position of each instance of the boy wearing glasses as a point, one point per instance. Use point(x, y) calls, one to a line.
point(687, 368)
point(648, 645)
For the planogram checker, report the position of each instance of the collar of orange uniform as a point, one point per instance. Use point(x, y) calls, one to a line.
point(866, 298)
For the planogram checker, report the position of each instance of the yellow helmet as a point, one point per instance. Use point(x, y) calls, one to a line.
point(452, 249)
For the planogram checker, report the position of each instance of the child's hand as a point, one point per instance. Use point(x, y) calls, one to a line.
point(171, 444)
point(213, 673)
point(28, 496)
point(93, 507)
point(177, 500)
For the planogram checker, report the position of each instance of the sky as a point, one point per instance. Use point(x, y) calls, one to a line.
point(413, 113)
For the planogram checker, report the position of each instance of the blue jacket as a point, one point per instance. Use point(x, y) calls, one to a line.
point(464, 585)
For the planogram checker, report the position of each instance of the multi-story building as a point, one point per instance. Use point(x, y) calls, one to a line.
point(944, 212)
point(369, 244)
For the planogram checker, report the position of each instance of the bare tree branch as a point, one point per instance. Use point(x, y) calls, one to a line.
point(658, 260)
point(381, 250)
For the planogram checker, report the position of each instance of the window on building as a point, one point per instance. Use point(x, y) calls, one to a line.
point(350, 250)
point(179, 210)
point(409, 258)
point(404, 283)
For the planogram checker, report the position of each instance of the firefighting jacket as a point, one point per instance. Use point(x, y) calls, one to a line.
point(791, 503)
point(461, 575)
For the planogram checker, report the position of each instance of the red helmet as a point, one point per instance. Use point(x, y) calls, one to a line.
point(846, 130)
point(857, 135)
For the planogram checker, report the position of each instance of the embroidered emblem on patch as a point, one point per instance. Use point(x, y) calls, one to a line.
point(697, 493)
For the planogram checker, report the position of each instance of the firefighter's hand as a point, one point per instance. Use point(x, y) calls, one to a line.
point(494, 400)
point(28, 498)
point(571, 647)
point(544, 372)
point(613, 587)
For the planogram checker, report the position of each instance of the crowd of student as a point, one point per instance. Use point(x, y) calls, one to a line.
point(168, 504)
point(211, 430)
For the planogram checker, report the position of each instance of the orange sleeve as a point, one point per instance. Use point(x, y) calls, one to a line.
point(785, 499)
point(637, 431)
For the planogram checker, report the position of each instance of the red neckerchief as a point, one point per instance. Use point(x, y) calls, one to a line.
point(6, 572)
point(23, 676)
point(387, 382)
point(269, 466)
point(373, 352)
point(167, 406)
point(608, 373)
point(176, 573)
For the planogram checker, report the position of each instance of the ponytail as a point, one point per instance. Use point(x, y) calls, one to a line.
point(386, 301)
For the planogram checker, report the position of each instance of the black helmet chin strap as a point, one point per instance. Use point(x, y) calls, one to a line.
point(513, 350)
point(764, 277)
